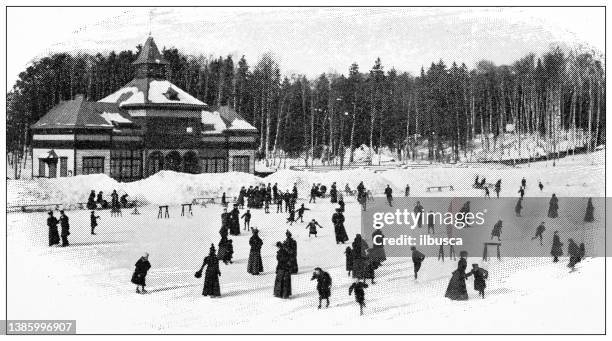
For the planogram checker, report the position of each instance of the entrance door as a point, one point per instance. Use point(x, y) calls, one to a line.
point(53, 169)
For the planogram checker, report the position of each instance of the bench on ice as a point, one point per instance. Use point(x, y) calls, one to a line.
point(34, 207)
point(450, 187)
point(203, 201)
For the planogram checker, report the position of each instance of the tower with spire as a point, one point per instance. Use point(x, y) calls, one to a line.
point(150, 62)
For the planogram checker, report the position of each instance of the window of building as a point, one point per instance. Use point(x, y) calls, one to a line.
point(126, 165)
point(214, 165)
point(241, 164)
point(93, 165)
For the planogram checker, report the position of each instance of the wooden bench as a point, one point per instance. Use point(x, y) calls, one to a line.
point(485, 256)
point(183, 209)
point(450, 187)
point(165, 215)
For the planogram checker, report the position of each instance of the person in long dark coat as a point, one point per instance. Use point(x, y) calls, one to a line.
point(54, 237)
point(359, 255)
point(339, 230)
point(456, 289)
point(407, 191)
point(389, 195)
point(377, 252)
point(91, 201)
point(588, 215)
point(64, 223)
point(255, 264)
point(418, 209)
point(574, 252)
point(497, 230)
point(358, 287)
point(333, 193)
point(211, 276)
point(234, 227)
point(290, 246)
point(417, 259)
point(94, 221)
point(324, 283)
point(341, 204)
point(553, 207)
point(518, 207)
point(557, 247)
point(348, 254)
point(115, 200)
point(480, 276)
point(282, 282)
point(140, 273)
point(226, 250)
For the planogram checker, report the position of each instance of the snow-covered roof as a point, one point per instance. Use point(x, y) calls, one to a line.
point(115, 118)
point(151, 92)
point(225, 118)
point(213, 118)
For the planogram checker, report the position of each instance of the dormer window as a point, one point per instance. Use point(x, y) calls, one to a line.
point(171, 94)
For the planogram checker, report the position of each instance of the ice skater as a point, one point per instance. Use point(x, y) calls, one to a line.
point(358, 287)
point(324, 282)
point(247, 220)
point(211, 276)
point(291, 218)
point(540, 233)
point(300, 212)
point(518, 207)
point(497, 230)
point(389, 195)
point(64, 223)
point(557, 247)
point(54, 237)
point(480, 277)
point(94, 222)
point(540, 185)
point(312, 228)
point(417, 259)
point(348, 255)
point(140, 273)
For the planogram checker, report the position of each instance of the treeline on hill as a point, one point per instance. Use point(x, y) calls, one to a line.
point(446, 106)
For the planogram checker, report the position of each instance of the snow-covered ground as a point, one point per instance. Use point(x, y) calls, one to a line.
point(89, 281)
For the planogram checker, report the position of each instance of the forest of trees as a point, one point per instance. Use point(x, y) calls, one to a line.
point(447, 105)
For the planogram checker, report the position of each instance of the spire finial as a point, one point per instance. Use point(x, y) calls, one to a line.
point(150, 20)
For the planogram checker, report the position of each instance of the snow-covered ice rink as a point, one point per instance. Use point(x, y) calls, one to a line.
point(90, 280)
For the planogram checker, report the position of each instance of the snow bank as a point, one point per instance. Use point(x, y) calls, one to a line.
point(165, 187)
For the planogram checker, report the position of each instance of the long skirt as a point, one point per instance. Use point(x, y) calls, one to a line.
point(341, 236)
point(54, 237)
point(211, 285)
point(282, 284)
point(255, 264)
point(456, 289)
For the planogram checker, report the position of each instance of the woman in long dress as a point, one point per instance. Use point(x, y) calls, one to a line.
point(456, 289)
point(282, 282)
point(588, 216)
point(255, 264)
point(553, 207)
point(211, 276)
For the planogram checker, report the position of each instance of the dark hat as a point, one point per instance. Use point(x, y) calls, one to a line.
point(463, 254)
point(279, 244)
point(288, 233)
point(318, 268)
point(62, 211)
point(212, 248)
point(50, 212)
point(475, 265)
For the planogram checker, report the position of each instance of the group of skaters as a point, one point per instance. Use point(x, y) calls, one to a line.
point(98, 202)
point(361, 261)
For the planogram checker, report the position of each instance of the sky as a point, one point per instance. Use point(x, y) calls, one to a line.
point(308, 41)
